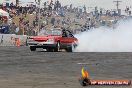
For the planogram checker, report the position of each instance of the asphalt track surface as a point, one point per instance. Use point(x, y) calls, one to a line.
point(21, 68)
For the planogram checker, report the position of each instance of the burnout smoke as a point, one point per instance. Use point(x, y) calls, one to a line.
point(106, 39)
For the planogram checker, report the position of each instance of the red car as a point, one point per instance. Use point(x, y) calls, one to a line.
point(54, 40)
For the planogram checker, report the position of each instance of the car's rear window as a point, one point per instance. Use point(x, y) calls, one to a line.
point(51, 32)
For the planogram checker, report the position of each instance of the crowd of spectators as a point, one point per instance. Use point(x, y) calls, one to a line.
point(31, 19)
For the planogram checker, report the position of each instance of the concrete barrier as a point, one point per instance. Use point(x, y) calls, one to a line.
point(11, 39)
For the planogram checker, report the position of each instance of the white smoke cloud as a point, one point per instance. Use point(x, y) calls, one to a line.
point(106, 39)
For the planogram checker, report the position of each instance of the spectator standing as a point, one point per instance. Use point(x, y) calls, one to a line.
point(53, 21)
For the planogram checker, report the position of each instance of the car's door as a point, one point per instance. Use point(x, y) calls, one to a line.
point(68, 38)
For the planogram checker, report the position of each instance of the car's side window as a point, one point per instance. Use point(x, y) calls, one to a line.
point(69, 34)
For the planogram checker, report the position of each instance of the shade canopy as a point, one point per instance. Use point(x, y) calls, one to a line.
point(4, 13)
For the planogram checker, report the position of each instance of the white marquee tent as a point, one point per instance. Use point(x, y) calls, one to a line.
point(4, 13)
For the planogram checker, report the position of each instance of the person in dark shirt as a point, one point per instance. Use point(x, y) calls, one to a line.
point(53, 21)
point(64, 32)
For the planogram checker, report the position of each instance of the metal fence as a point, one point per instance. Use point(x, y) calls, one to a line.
point(12, 39)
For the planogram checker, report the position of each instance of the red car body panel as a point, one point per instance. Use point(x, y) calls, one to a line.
point(44, 38)
point(53, 42)
point(56, 38)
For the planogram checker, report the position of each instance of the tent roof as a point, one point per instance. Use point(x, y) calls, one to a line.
point(4, 13)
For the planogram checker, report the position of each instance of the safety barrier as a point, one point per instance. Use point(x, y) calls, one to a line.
point(12, 40)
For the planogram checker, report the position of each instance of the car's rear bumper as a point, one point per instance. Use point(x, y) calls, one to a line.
point(43, 45)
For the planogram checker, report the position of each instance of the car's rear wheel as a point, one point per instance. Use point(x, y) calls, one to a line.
point(32, 48)
point(71, 48)
point(57, 47)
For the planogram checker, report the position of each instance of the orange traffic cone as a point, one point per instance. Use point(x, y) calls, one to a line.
point(18, 42)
